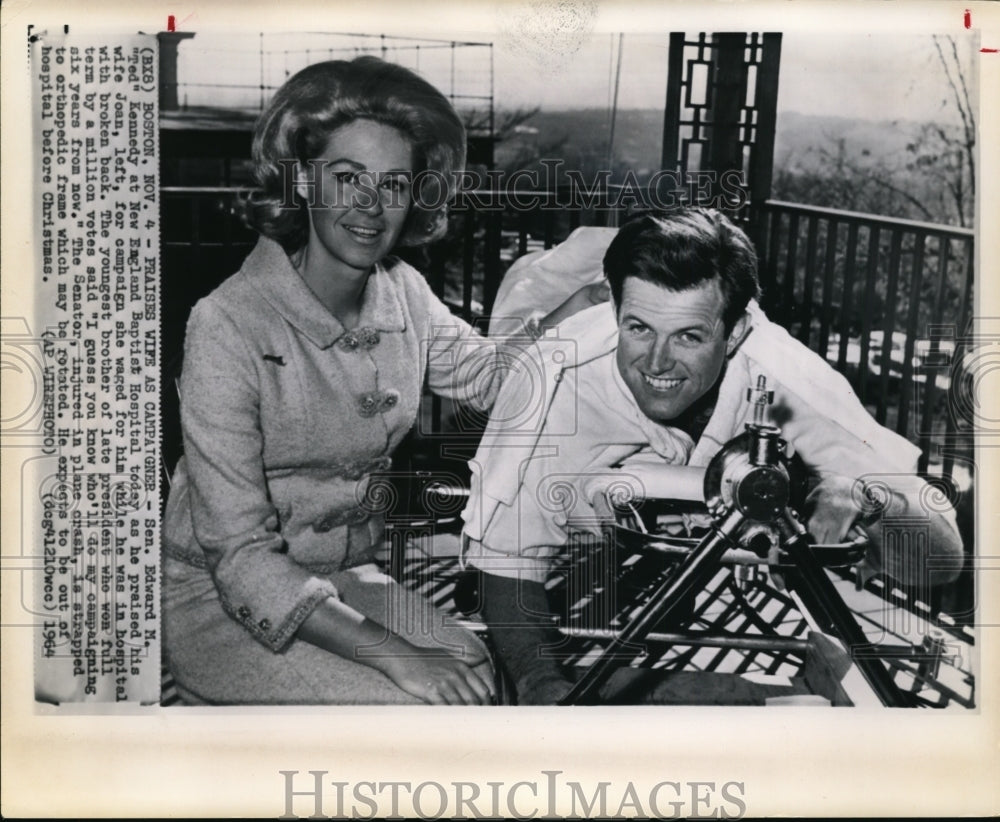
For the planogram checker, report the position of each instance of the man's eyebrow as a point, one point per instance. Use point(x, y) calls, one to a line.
point(628, 315)
point(699, 324)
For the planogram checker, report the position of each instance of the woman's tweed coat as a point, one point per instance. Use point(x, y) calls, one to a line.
point(285, 416)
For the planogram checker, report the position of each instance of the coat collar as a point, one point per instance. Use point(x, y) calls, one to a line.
point(273, 275)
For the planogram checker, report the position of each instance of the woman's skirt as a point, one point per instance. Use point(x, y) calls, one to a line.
point(215, 661)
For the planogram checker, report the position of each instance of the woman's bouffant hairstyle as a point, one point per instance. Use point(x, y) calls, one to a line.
point(297, 124)
point(682, 250)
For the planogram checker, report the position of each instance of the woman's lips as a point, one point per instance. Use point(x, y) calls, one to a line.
point(364, 234)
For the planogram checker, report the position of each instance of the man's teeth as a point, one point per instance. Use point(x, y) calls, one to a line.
point(362, 232)
point(662, 383)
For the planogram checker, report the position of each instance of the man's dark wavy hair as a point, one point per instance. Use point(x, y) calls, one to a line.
point(683, 249)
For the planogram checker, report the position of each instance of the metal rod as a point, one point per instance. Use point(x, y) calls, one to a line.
point(731, 556)
point(701, 639)
point(614, 105)
point(692, 572)
point(912, 320)
point(930, 373)
point(871, 274)
point(832, 231)
point(822, 599)
point(867, 219)
point(805, 310)
point(889, 325)
point(704, 639)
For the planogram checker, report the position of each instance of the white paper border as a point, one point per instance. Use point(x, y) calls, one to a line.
point(215, 762)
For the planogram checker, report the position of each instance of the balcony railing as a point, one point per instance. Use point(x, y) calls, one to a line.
point(885, 301)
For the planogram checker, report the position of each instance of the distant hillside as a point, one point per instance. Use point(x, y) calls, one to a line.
point(580, 138)
point(799, 138)
point(899, 168)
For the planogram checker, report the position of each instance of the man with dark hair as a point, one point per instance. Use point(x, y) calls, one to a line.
point(710, 269)
point(692, 247)
point(658, 378)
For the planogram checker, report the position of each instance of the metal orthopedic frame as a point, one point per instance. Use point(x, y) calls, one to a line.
point(747, 491)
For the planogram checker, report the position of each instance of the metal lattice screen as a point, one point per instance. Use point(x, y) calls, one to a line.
point(722, 93)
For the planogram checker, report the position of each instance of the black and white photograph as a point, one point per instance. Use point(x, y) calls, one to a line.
point(535, 409)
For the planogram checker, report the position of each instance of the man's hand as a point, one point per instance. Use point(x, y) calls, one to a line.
point(592, 294)
point(832, 507)
point(837, 504)
point(611, 490)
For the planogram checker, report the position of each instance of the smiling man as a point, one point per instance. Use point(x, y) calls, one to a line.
point(659, 377)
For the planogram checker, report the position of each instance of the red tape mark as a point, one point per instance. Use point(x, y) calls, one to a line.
point(171, 25)
point(968, 25)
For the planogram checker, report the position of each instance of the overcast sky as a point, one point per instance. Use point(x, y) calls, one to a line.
point(855, 76)
point(848, 75)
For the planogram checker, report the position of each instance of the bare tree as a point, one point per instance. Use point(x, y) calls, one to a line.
point(949, 155)
point(931, 178)
point(503, 122)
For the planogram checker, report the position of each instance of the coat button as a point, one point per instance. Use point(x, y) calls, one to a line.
point(369, 337)
point(368, 404)
point(243, 612)
point(265, 624)
point(391, 398)
point(349, 342)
